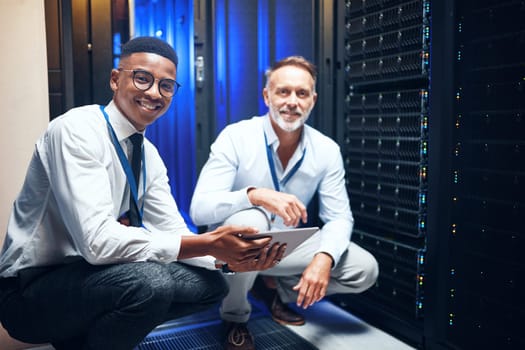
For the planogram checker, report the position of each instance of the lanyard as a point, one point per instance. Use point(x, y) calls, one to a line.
point(276, 185)
point(276, 182)
point(126, 166)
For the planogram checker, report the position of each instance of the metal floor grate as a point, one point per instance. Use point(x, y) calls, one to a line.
point(210, 335)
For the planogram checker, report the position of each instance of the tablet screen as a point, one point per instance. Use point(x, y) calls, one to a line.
point(292, 237)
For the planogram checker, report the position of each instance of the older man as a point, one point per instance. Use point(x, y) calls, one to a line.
point(265, 171)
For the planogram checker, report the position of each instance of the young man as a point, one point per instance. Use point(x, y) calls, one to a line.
point(277, 164)
point(80, 270)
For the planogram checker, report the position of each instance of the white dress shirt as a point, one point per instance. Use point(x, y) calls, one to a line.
point(75, 190)
point(238, 160)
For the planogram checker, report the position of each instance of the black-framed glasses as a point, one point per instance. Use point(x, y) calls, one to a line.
point(144, 80)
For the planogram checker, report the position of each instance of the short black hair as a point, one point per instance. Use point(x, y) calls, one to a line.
point(152, 45)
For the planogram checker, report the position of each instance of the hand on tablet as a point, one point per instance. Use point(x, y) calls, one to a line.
point(227, 244)
point(268, 257)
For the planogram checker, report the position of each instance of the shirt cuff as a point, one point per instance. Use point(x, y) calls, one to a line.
point(246, 198)
point(333, 249)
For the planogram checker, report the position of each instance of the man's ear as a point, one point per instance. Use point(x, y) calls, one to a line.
point(113, 80)
point(265, 96)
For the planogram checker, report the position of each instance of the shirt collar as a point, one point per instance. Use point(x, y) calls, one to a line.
point(122, 126)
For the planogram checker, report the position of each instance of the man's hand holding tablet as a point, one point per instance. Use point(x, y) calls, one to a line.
point(283, 243)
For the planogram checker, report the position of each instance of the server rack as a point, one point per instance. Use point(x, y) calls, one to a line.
point(385, 149)
point(433, 145)
point(486, 235)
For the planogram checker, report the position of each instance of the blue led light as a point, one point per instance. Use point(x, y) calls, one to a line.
point(427, 8)
point(424, 149)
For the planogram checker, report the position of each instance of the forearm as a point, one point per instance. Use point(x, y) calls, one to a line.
point(195, 245)
point(225, 243)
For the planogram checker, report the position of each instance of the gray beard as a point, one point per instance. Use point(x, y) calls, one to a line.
point(287, 126)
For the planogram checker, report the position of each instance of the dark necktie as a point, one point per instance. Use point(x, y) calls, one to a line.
point(134, 216)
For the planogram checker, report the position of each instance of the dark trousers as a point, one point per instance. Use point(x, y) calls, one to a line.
point(82, 306)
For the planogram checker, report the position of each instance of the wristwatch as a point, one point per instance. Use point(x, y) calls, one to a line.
point(224, 267)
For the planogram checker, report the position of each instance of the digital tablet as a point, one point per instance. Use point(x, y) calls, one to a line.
point(292, 237)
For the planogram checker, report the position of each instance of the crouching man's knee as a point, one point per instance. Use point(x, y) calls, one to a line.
point(370, 273)
point(253, 217)
point(359, 269)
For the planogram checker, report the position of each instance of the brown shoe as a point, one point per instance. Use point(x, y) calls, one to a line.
point(238, 337)
point(283, 314)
